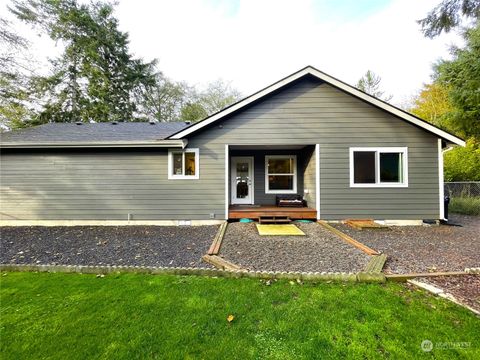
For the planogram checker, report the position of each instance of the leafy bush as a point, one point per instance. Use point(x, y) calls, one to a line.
point(465, 205)
point(463, 163)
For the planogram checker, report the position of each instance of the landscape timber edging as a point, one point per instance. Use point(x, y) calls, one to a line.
point(441, 293)
point(87, 269)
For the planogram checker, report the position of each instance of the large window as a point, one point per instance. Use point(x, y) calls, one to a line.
point(183, 164)
point(378, 167)
point(280, 174)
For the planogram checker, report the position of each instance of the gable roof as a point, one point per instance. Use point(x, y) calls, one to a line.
point(311, 71)
point(91, 134)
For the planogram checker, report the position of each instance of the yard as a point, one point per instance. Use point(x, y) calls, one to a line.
point(129, 316)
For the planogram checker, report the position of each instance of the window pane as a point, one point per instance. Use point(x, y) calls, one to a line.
point(189, 163)
point(280, 182)
point(391, 167)
point(280, 166)
point(364, 167)
point(177, 164)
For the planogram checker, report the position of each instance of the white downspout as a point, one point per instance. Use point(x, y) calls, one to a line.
point(441, 186)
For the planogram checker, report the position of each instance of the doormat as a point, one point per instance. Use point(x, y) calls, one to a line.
point(284, 230)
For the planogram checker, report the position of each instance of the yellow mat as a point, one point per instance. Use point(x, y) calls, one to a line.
point(273, 229)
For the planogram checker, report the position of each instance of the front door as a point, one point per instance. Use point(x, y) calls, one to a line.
point(242, 180)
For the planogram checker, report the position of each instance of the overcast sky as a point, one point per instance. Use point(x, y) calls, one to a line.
point(253, 43)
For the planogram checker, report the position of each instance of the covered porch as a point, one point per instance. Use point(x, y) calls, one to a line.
point(258, 176)
point(256, 212)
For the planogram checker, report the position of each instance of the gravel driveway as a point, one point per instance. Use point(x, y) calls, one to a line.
point(425, 248)
point(173, 246)
point(320, 250)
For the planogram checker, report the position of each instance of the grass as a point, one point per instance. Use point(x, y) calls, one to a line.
point(130, 316)
point(465, 205)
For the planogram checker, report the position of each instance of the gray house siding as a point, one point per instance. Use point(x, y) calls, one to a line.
point(103, 185)
point(107, 185)
point(311, 112)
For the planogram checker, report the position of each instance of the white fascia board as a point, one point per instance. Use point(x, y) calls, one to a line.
point(337, 83)
point(387, 107)
point(108, 144)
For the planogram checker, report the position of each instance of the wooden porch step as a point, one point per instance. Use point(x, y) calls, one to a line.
point(268, 219)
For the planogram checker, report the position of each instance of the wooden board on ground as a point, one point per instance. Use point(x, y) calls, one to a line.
point(364, 224)
point(279, 230)
point(376, 264)
point(405, 277)
point(220, 263)
point(217, 241)
point(348, 239)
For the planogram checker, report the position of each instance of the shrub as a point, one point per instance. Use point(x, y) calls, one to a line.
point(465, 205)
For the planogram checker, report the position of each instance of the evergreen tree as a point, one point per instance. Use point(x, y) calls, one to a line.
point(370, 83)
point(448, 15)
point(95, 78)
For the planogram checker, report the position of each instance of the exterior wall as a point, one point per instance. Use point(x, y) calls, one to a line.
point(312, 112)
point(103, 185)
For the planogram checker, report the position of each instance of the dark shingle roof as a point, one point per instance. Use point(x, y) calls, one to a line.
point(97, 132)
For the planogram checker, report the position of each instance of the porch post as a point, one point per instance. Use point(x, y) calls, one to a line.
point(227, 155)
point(317, 179)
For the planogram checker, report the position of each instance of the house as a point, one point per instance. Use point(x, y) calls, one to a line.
point(347, 153)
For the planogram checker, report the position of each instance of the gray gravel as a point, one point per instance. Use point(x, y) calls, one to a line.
point(319, 250)
point(172, 246)
point(425, 248)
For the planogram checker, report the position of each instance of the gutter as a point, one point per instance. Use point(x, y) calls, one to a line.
point(181, 143)
point(447, 149)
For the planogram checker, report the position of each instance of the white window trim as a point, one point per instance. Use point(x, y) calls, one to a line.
point(172, 176)
point(267, 190)
point(378, 150)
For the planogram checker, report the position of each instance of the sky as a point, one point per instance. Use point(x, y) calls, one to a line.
point(253, 43)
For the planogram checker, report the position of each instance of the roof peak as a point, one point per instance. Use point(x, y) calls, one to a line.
point(310, 70)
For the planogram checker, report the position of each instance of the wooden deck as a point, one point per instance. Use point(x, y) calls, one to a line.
point(254, 212)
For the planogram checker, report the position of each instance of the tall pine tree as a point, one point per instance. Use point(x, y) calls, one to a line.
point(95, 78)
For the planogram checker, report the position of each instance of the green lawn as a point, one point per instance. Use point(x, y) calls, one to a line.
point(73, 316)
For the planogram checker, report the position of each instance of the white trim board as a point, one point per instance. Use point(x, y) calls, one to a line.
point(227, 165)
point(92, 144)
point(109, 222)
point(309, 70)
point(441, 190)
point(317, 179)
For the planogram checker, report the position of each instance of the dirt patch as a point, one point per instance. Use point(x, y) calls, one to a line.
point(172, 246)
point(320, 250)
point(425, 248)
point(466, 288)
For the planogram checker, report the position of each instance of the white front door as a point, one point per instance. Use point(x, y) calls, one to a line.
point(242, 180)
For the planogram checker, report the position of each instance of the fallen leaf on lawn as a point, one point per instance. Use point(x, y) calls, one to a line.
point(230, 318)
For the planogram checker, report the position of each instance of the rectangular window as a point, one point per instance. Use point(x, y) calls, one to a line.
point(281, 174)
point(378, 167)
point(183, 164)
